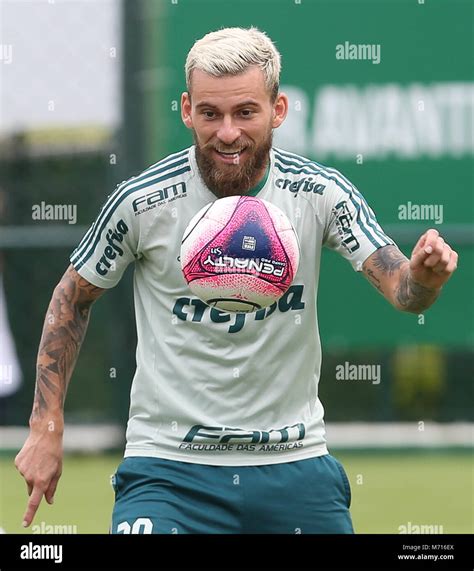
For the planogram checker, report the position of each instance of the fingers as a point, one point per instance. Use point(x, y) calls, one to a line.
point(32, 507)
point(453, 263)
point(439, 251)
point(420, 243)
point(432, 253)
point(49, 495)
point(29, 483)
point(428, 251)
point(431, 237)
point(442, 262)
point(41, 468)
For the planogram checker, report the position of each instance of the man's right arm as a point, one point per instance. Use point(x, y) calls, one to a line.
point(40, 459)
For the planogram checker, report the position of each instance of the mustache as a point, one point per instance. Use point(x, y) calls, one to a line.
point(218, 146)
point(240, 177)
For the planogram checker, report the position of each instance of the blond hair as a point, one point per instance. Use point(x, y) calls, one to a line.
point(231, 51)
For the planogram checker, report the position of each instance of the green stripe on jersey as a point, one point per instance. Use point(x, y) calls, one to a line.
point(258, 187)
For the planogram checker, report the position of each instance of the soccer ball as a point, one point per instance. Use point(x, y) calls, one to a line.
point(239, 254)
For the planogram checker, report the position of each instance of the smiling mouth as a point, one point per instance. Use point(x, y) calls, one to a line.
point(230, 155)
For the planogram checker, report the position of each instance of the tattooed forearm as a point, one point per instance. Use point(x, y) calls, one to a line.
point(388, 270)
point(374, 280)
point(388, 259)
point(63, 332)
point(382, 267)
point(414, 297)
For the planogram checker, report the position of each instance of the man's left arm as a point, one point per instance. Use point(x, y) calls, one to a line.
point(412, 284)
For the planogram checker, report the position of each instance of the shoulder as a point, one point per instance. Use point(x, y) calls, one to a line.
point(297, 172)
point(158, 178)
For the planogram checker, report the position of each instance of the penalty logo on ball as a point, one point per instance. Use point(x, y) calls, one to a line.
point(239, 254)
point(217, 262)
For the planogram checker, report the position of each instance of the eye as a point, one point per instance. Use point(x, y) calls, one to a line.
point(246, 113)
point(209, 114)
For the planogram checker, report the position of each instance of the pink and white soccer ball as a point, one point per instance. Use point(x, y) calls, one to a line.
point(239, 254)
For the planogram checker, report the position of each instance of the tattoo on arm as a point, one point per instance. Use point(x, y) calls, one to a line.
point(373, 279)
point(389, 259)
point(385, 261)
point(412, 296)
point(389, 271)
point(63, 332)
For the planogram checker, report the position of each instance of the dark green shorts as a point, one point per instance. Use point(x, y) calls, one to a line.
point(153, 495)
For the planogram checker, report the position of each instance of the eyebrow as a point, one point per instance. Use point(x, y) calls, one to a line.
point(248, 103)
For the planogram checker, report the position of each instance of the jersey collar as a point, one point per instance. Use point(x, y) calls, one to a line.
point(258, 187)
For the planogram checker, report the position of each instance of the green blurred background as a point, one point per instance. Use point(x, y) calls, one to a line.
point(389, 490)
point(403, 132)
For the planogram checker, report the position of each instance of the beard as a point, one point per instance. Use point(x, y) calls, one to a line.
point(232, 179)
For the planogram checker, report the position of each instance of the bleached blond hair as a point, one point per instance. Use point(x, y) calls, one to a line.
point(231, 51)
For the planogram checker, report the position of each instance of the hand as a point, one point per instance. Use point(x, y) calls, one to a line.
point(40, 464)
point(432, 261)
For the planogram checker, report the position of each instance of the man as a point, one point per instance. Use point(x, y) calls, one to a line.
point(226, 430)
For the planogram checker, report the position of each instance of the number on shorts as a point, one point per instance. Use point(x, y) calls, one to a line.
point(142, 525)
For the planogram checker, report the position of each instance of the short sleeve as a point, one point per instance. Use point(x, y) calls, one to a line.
point(351, 226)
point(111, 242)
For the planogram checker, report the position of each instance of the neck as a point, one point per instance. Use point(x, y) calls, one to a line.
point(259, 174)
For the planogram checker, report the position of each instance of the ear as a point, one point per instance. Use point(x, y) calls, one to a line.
point(186, 109)
point(280, 110)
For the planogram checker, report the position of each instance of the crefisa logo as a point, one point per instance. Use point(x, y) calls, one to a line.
point(304, 184)
point(114, 238)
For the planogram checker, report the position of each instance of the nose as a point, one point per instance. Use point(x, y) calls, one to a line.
point(228, 132)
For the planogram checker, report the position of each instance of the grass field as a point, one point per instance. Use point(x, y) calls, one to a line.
point(388, 490)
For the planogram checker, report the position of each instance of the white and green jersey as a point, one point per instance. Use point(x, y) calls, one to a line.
point(213, 387)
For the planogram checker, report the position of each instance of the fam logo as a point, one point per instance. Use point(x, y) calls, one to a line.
point(195, 309)
point(304, 184)
point(344, 225)
point(114, 238)
point(224, 438)
point(157, 197)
